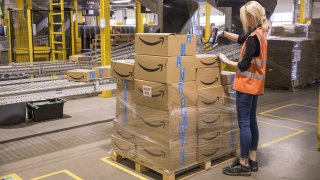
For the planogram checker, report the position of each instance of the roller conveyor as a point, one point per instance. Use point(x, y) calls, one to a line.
point(47, 88)
point(122, 52)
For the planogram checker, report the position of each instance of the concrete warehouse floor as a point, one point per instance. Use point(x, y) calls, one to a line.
point(74, 147)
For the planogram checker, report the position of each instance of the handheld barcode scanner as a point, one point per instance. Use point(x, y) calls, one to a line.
point(213, 40)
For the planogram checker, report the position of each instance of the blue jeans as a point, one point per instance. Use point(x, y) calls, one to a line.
point(247, 119)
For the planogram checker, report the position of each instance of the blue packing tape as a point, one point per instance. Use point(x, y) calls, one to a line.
point(179, 65)
point(182, 130)
point(189, 38)
point(100, 72)
point(182, 74)
point(180, 88)
point(125, 99)
point(183, 49)
point(182, 158)
point(232, 79)
point(92, 75)
point(183, 111)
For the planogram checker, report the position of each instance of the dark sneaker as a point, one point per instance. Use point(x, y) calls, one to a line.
point(237, 170)
point(254, 165)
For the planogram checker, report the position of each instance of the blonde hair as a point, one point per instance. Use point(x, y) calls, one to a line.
point(257, 13)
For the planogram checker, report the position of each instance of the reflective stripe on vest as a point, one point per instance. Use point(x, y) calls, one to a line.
point(258, 62)
point(251, 75)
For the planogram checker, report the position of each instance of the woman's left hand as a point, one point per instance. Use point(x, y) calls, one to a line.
point(223, 58)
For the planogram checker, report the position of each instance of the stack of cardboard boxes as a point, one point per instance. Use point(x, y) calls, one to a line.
point(163, 115)
point(216, 130)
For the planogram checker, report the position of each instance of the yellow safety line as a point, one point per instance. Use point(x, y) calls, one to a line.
point(289, 119)
point(281, 107)
point(13, 175)
point(280, 139)
point(282, 126)
point(298, 131)
point(59, 172)
point(109, 161)
point(305, 106)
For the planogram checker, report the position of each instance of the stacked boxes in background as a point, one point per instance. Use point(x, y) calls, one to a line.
point(170, 107)
point(216, 127)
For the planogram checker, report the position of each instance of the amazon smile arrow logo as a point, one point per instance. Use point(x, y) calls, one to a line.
point(210, 103)
point(161, 40)
point(160, 67)
point(208, 64)
point(122, 75)
point(210, 83)
point(74, 78)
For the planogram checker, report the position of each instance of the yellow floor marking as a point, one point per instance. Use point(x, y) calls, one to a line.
point(282, 126)
point(13, 175)
point(298, 131)
point(131, 172)
point(281, 107)
point(313, 107)
point(289, 119)
point(65, 171)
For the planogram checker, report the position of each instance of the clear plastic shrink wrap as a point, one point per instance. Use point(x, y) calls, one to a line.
point(174, 122)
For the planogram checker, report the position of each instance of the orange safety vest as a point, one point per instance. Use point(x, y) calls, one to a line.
point(252, 80)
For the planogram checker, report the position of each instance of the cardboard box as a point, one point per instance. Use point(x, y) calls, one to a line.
point(165, 96)
point(228, 88)
point(123, 147)
point(207, 61)
point(209, 152)
point(209, 97)
point(169, 156)
point(79, 58)
point(123, 69)
point(227, 77)
point(231, 139)
point(165, 44)
point(125, 131)
point(125, 112)
point(81, 75)
point(165, 125)
point(102, 72)
point(165, 69)
point(209, 119)
point(210, 137)
point(126, 88)
point(208, 77)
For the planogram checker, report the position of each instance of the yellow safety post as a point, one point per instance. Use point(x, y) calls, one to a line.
point(98, 20)
point(105, 38)
point(30, 35)
point(9, 36)
point(139, 18)
point(319, 122)
point(73, 42)
point(76, 27)
point(301, 16)
point(207, 27)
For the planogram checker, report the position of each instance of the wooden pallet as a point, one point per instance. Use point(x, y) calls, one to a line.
point(183, 173)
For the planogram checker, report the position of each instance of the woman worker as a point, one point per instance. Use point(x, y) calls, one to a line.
point(249, 83)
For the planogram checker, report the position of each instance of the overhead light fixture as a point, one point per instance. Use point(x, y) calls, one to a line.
point(120, 1)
